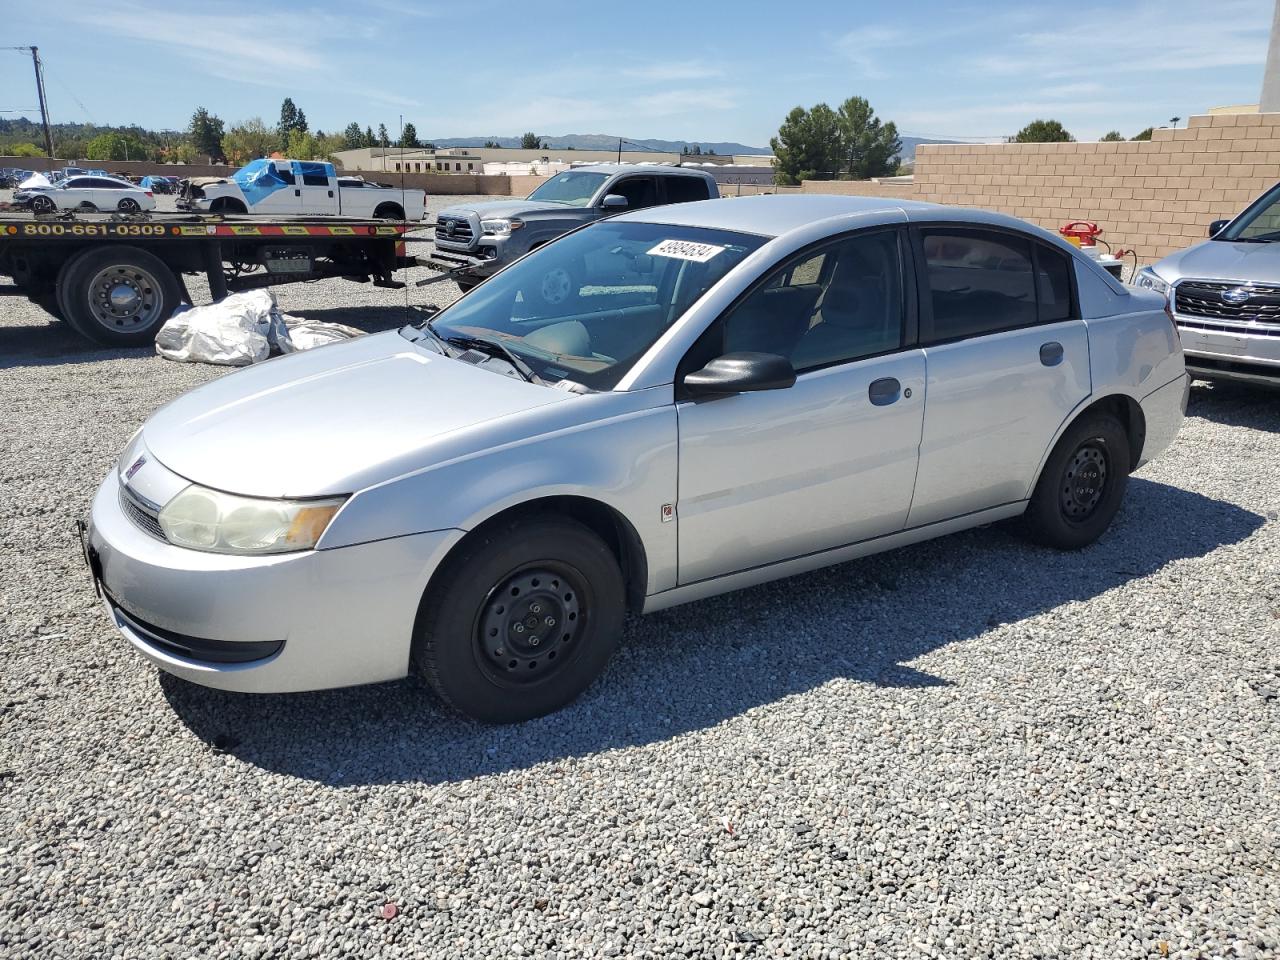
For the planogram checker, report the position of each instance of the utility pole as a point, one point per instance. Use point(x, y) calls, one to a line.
point(44, 108)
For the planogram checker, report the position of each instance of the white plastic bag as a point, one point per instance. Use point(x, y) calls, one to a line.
point(232, 332)
point(243, 329)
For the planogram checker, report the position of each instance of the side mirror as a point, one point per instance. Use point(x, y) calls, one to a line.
point(1216, 227)
point(741, 373)
point(614, 201)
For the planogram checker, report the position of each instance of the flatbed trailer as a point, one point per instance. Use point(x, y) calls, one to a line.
point(117, 278)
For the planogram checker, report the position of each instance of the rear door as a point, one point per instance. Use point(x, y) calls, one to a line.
point(640, 191)
point(1008, 361)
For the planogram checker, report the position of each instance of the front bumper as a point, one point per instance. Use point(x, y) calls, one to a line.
point(314, 620)
point(1238, 354)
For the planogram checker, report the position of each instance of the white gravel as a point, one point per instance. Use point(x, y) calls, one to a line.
point(971, 748)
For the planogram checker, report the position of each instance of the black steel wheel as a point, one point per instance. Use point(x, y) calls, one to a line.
point(521, 619)
point(1082, 484)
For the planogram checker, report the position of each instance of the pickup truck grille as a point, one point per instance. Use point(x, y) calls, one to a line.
point(454, 230)
point(1212, 300)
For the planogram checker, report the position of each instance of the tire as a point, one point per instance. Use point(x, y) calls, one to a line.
point(128, 205)
point(227, 205)
point(118, 296)
point(43, 204)
point(503, 662)
point(389, 211)
point(1082, 484)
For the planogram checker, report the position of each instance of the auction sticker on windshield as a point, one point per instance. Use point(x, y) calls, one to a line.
point(686, 250)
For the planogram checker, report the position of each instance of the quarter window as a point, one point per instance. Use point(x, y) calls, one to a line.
point(1053, 285)
point(839, 303)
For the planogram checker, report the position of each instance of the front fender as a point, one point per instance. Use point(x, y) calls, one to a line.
point(626, 461)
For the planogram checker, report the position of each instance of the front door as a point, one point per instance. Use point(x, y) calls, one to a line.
point(1008, 361)
point(829, 461)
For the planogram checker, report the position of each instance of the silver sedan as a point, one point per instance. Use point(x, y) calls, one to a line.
point(736, 391)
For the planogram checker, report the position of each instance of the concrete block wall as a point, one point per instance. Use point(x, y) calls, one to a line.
point(1154, 196)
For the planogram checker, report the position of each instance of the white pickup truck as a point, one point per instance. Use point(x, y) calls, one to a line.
point(301, 188)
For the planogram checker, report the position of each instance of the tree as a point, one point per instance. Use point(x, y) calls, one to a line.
point(329, 144)
point(383, 139)
point(184, 152)
point(24, 150)
point(205, 133)
point(291, 119)
point(1142, 135)
point(116, 146)
point(249, 141)
point(808, 143)
point(1112, 136)
point(868, 148)
point(1042, 131)
point(301, 146)
point(492, 145)
point(529, 141)
point(368, 138)
point(352, 138)
point(409, 136)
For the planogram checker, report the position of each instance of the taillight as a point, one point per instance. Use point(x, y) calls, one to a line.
point(148, 193)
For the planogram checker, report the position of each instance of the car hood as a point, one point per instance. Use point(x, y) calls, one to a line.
point(1223, 260)
point(332, 420)
point(507, 208)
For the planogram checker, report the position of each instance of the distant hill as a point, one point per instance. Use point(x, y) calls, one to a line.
point(603, 141)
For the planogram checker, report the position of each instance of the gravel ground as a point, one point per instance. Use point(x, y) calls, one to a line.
point(970, 748)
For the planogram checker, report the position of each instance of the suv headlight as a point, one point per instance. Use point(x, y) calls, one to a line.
point(1147, 279)
point(499, 228)
point(204, 519)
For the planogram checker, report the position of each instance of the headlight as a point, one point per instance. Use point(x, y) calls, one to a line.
point(204, 519)
point(1146, 279)
point(499, 228)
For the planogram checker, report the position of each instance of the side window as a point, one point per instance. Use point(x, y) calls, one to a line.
point(285, 174)
point(979, 282)
point(1053, 285)
point(102, 184)
point(839, 303)
point(639, 191)
point(685, 189)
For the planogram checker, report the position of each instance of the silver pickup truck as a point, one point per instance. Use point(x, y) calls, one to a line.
point(1224, 295)
point(478, 240)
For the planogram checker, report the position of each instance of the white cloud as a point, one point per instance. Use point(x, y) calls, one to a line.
point(860, 46)
point(671, 71)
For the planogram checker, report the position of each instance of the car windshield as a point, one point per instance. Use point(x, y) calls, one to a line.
point(575, 188)
point(586, 307)
point(1259, 222)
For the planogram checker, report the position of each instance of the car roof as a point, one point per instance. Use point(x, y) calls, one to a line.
point(612, 168)
point(774, 215)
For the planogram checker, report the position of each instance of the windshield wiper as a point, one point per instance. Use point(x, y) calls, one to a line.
point(491, 347)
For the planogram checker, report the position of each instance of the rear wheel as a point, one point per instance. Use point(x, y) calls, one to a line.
point(1082, 485)
point(128, 205)
point(521, 620)
point(118, 295)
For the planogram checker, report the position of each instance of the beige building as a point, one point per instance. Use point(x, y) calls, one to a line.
point(473, 159)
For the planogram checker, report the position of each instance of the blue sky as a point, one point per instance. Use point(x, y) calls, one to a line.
point(678, 70)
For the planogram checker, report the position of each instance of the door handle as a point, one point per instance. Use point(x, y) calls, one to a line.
point(884, 391)
point(297, 193)
point(1051, 353)
point(331, 193)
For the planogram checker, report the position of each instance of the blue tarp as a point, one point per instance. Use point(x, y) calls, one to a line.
point(258, 180)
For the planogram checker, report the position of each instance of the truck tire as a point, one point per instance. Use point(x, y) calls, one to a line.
point(118, 296)
point(389, 211)
point(227, 205)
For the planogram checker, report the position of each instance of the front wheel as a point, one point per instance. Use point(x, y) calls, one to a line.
point(521, 620)
point(42, 204)
point(1082, 485)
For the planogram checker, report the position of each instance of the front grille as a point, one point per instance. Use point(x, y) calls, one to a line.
point(144, 515)
point(454, 230)
point(1205, 298)
point(1253, 329)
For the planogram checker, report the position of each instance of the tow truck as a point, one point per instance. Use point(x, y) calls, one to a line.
point(116, 279)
